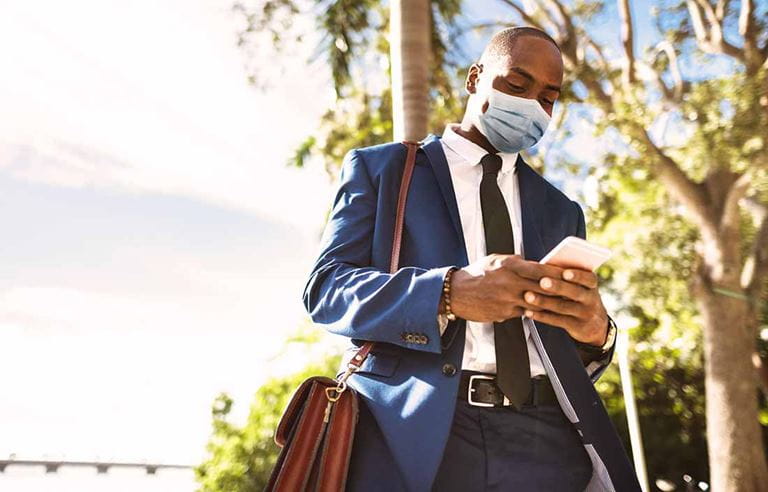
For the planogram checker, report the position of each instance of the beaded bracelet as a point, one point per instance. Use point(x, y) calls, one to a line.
point(447, 294)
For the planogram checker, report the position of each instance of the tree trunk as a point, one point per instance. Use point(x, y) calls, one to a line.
point(734, 437)
point(410, 51)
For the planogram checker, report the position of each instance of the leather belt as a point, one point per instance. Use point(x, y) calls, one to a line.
point(480, 389)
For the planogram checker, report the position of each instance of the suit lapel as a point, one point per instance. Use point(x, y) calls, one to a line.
point(532, 196)
point(434, 151)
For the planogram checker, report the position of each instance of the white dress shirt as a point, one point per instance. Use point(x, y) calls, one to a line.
point(463, 158)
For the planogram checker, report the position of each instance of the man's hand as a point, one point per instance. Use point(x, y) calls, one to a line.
point(494, 289)
point(571, 302)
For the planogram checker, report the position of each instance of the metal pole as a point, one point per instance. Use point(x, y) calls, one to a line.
point(635, 437)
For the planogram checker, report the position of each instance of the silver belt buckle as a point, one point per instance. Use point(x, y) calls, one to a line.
point(470, 389)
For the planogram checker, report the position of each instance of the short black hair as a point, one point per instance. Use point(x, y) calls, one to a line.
point(502, 42)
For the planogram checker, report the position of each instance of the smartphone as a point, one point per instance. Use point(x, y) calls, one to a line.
point(574, 252)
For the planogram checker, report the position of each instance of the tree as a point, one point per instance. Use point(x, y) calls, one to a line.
point(409, 47)
point(716, 172)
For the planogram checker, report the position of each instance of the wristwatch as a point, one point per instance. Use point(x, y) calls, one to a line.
point(610, 339)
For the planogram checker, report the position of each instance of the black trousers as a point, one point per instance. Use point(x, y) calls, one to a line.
point(535, 449)
point(499, 449)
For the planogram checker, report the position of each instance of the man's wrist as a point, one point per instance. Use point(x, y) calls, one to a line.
point(445, 297)
point(607, 342)
point(606, 331)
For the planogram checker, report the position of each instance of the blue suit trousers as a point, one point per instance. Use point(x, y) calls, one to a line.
point(534, 449)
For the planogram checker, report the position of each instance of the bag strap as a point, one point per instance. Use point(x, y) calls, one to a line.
point(405, 183)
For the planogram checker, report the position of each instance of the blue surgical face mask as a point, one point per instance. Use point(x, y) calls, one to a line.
point(512, 123)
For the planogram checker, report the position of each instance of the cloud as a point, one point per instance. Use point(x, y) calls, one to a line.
point(92, 104)
point(154, 243)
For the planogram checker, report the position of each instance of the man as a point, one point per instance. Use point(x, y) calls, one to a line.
point(482, 375)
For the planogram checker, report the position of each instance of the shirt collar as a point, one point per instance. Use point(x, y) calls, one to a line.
point(471, 152)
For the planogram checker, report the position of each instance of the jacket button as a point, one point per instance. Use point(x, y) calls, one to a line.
point(449, 369)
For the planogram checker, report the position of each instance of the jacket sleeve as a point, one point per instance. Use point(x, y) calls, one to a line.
point(348, 296)
point(595, 368)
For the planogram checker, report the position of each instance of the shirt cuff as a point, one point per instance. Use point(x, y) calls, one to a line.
point(442, 321)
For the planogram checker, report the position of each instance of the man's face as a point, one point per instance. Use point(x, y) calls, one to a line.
point(533, 70)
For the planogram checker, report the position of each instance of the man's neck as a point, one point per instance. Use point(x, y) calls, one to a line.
point(469, 131)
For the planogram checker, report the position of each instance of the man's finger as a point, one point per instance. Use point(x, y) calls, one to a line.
point(534, 270)
point(582, 277)
point(515, 312)
point(556, 305)
point(530, 305)
point(562, 321)
point(556, 287)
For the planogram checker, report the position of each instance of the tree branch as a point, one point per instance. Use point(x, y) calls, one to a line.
point(604, 65)
point(674, 67)
point(764, 54)
point(574, 58)
point(600, 55)
point(746, 19)
point(748, 30)
point(721, 9)
point(757, 262)
point(755, 271)
point(565, 17)
point(647, 71)
point(526, 17)
point(737, 191)
point(567, 31)
point(709, 12)
point(625, 14)
point(461, 31)
point(682, 188)
point(564, 32)
point(709, 32)
point(697, 19)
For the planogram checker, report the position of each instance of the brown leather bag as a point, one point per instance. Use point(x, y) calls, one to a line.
point(317, 428)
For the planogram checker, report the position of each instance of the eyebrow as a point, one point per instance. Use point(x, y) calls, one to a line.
point(530, 77)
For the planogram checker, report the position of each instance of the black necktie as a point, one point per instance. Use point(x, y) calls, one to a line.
point(513, 373)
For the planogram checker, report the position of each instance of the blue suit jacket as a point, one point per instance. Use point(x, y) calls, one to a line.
point(351, 293)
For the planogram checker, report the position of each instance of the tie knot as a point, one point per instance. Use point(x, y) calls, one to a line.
point(491, 163)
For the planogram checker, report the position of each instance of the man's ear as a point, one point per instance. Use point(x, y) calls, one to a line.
point(470, 85)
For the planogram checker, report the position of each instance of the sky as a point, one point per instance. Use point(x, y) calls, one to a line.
point(153, 245)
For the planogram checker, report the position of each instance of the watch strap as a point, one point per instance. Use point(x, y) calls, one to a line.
point(610, 339)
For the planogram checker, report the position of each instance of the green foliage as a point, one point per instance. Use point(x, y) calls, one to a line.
point(345, 26)
point(359, 120)
point(354, 35)
point(670, 404)
point(241, 458)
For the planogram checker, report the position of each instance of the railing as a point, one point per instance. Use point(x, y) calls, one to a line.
point(52, 465)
